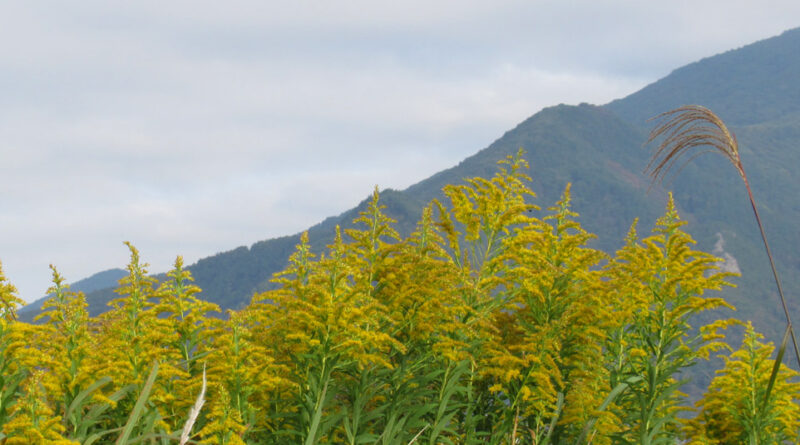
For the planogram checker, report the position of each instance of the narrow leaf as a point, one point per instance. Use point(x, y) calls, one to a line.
point(776, 367)
point(139, 407)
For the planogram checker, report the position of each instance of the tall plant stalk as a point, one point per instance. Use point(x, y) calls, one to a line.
point(686, 128)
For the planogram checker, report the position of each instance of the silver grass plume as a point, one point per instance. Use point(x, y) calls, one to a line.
point(693, 126)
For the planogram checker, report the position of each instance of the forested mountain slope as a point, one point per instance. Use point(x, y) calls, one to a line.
point(599, 150)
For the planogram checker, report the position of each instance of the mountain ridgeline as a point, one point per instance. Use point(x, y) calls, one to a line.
point(599, 149)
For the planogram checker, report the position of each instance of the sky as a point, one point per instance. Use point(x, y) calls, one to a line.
point(193, 127)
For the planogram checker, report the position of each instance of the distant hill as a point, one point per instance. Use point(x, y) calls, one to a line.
point(599, 150)
point(746, 86)
point(100, 280)
point(756, 90)
point(556, 140)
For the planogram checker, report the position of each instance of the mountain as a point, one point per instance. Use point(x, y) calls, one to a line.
point(756, 89)
point(98, 281)
point(99, 286)
point(746, 86)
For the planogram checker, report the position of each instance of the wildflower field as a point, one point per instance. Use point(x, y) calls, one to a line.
point(493, 322)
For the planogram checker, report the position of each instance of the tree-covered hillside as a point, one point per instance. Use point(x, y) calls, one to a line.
point(750, 85)
point(493, 322)
point(756, 89)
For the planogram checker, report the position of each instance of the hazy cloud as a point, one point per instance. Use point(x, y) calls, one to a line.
point(193, 127)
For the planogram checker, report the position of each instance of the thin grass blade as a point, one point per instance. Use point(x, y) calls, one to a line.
point(619, 389)
point(315, 421)
point(776, 368)
point(83, 395)
point(139, 407)
point(554, 420)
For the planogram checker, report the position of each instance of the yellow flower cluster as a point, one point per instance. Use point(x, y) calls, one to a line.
point(492, 322)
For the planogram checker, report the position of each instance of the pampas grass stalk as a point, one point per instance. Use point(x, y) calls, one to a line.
point(684, 129)
point(414, 439)
point(194, 412)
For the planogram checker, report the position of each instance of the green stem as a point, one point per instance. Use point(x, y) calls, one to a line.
point(772, 265)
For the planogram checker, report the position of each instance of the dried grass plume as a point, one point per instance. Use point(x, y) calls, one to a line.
point(194, 412)
point(683, 129)
point(693, 126)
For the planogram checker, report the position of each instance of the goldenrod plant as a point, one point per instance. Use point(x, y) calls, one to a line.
point(493, 322)
point(11, 373)
point(34, 422)
point(185, 333)
point(739, 409)
point(693, 127)
point(658, 284)
point(67, 347)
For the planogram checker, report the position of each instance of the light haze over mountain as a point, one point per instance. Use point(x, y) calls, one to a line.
point(192, 127)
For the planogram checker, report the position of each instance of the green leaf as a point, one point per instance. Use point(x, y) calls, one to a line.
point(77, 404)
point(139, 407)
point(776, 368)
point(622, 386)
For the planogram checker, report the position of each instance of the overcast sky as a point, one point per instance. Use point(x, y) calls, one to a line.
point(194, 127)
